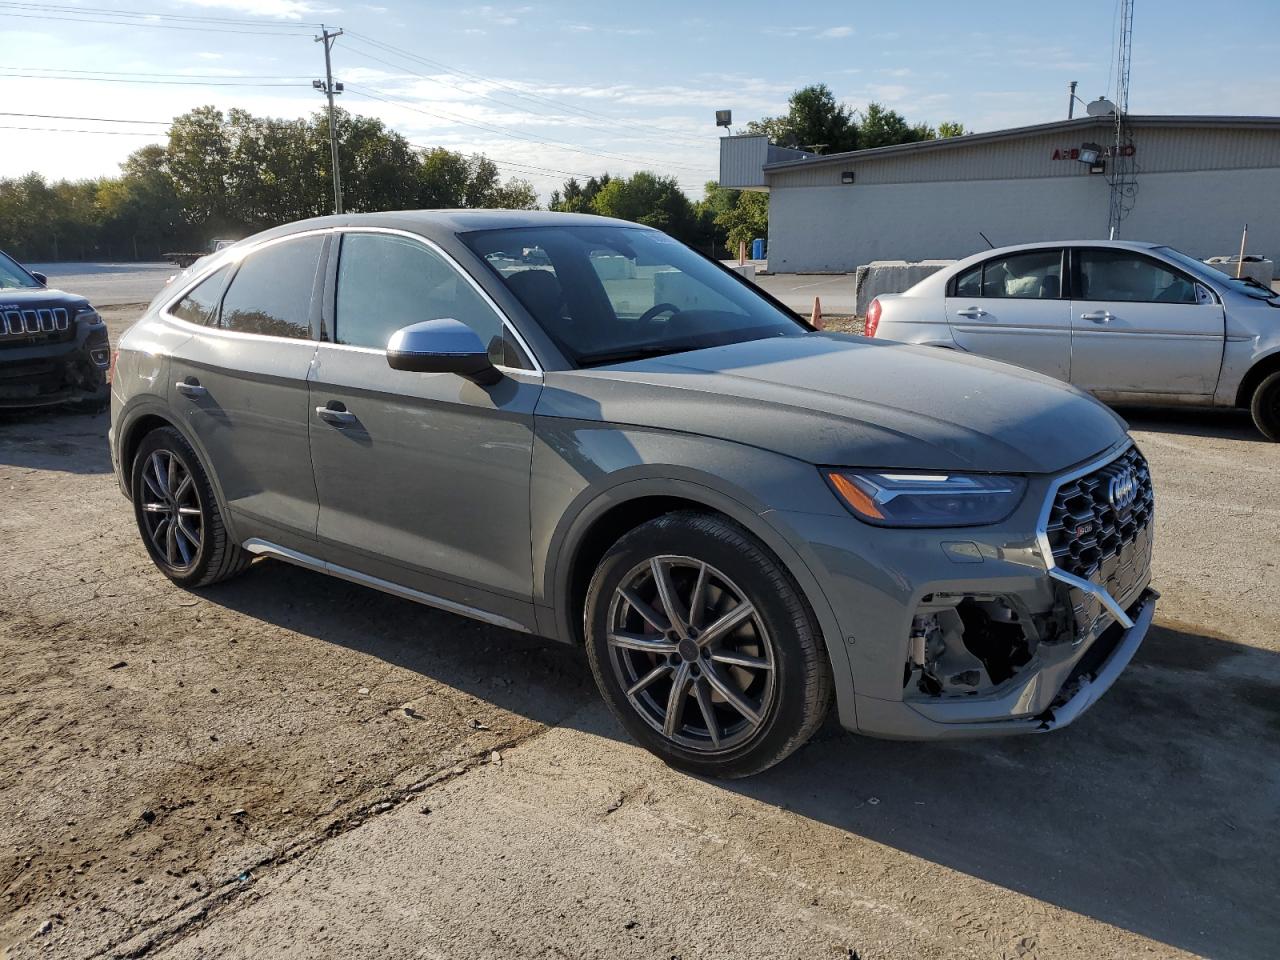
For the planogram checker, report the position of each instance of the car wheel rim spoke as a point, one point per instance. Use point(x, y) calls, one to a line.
point(708, 690)
point(173, 520)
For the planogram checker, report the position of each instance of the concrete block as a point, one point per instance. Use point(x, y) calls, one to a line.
point(890, 276)
point(1261, 269)
point(747, 270)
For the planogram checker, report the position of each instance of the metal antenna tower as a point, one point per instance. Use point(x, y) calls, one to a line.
point(1123, 174)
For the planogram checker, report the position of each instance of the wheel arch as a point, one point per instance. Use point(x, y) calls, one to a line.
point(602, 521)
point(147, 420)
point(1261, 369)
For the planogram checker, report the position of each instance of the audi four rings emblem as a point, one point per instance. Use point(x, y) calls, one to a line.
point(1123, 490)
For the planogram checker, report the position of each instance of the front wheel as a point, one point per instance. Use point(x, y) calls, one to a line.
point(704, 648)
point(1266, 407)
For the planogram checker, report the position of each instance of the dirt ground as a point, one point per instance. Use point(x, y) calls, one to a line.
point(292, 766)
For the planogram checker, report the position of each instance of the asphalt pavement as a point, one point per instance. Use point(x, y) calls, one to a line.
point(108, 284)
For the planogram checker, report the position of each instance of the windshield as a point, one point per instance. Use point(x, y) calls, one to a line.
point(13, 276)
point(611, 294)
point(1248, 287)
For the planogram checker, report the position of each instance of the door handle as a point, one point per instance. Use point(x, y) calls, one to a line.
point(971, 313)
point(190, 387)
point(1101, 316)
point(335, 412)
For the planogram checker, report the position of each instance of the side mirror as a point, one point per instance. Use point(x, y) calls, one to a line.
point(442, 346)
point(44, 281)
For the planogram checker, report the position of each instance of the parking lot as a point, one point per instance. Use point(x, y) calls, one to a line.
point(292, 765)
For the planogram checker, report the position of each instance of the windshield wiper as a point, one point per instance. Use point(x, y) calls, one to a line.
point(630, 353)
point(1254, 282)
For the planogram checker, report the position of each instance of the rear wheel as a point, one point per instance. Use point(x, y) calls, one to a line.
point(1266, 407)
point(704, 648)
point(177, 513)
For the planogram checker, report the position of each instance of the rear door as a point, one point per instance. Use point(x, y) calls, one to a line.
point(1141, 325)
point(423, 478)
point(1011, 308)
point(241, 384)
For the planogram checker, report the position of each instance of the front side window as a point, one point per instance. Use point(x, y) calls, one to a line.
point(1035, 275)
point(271, 292)
point(201, 301)
point(1118, 275)
point(386, 282)
point(612, 294)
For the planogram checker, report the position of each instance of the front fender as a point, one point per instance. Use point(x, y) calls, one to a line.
point(582, 470)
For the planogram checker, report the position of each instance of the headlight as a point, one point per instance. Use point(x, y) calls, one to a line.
point(88, 315)
point(901, 499)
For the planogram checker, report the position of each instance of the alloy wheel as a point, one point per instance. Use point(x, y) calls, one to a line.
point(691, 653)
point(171, 513)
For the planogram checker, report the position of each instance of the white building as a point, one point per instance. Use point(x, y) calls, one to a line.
point(1199, 180)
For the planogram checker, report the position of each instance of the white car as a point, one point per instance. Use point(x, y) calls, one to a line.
point(1126, 321)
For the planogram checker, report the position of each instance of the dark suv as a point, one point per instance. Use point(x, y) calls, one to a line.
point(53, 345)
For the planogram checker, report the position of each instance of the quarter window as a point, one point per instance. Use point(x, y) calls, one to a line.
point(201, 302)
point(1035, 275)
point(1120, 276)
point(271, 292)
point(969, 283)
point(386, 282)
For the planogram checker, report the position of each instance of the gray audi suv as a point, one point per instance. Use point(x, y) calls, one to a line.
point(579, 428)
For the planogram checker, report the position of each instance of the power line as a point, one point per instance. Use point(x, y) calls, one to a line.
point(105, 133)
point(158, 26)
point(58, 116)
point(151, 15)
point(147, 73)
point(171, 83)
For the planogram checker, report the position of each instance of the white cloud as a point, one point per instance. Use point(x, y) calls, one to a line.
point(206, 55)
point(835, 33)
point(280, 9)
point(500, 16)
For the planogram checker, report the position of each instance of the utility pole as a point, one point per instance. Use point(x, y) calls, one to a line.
point(1071, 100)
point(329, 88)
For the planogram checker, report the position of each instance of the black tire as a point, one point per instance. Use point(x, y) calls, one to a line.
point(781, 629)
point(1265, 407)
point(211, 558)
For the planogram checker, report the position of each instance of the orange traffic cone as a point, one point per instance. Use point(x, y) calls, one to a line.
point(815, 318)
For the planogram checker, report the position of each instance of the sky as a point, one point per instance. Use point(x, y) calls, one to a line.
point(553, 88)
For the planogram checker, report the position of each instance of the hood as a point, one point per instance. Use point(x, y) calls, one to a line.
point(841, 400)
point(22, 297)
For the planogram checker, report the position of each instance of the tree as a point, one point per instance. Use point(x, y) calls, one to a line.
point(576, 197)
point(447, 178)
point(951, 128)
point(649, 199)
point(814, 121)
point(882, 127)
point(747, 219)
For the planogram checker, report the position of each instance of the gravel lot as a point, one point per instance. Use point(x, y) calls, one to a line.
point(290, 765)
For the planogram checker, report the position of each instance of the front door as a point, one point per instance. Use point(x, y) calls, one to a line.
point(241, 384)
point(1139, 325)
point(1011, 308)
point(423, 478)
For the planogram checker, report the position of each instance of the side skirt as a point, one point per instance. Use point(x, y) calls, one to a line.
point(264, 548)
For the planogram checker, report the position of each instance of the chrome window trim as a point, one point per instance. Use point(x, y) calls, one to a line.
point(452, 261)
point(1046, 549)
point(233, 258)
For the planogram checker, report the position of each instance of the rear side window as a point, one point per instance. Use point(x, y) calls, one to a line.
point(386, 282)
point(1118, 275)
point(1036, 275)
point(201, 302)
point(271, 292)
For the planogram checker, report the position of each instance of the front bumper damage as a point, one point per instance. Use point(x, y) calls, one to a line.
point(1016, 628)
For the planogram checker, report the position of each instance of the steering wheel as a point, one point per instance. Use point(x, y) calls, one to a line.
point(656, 309)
